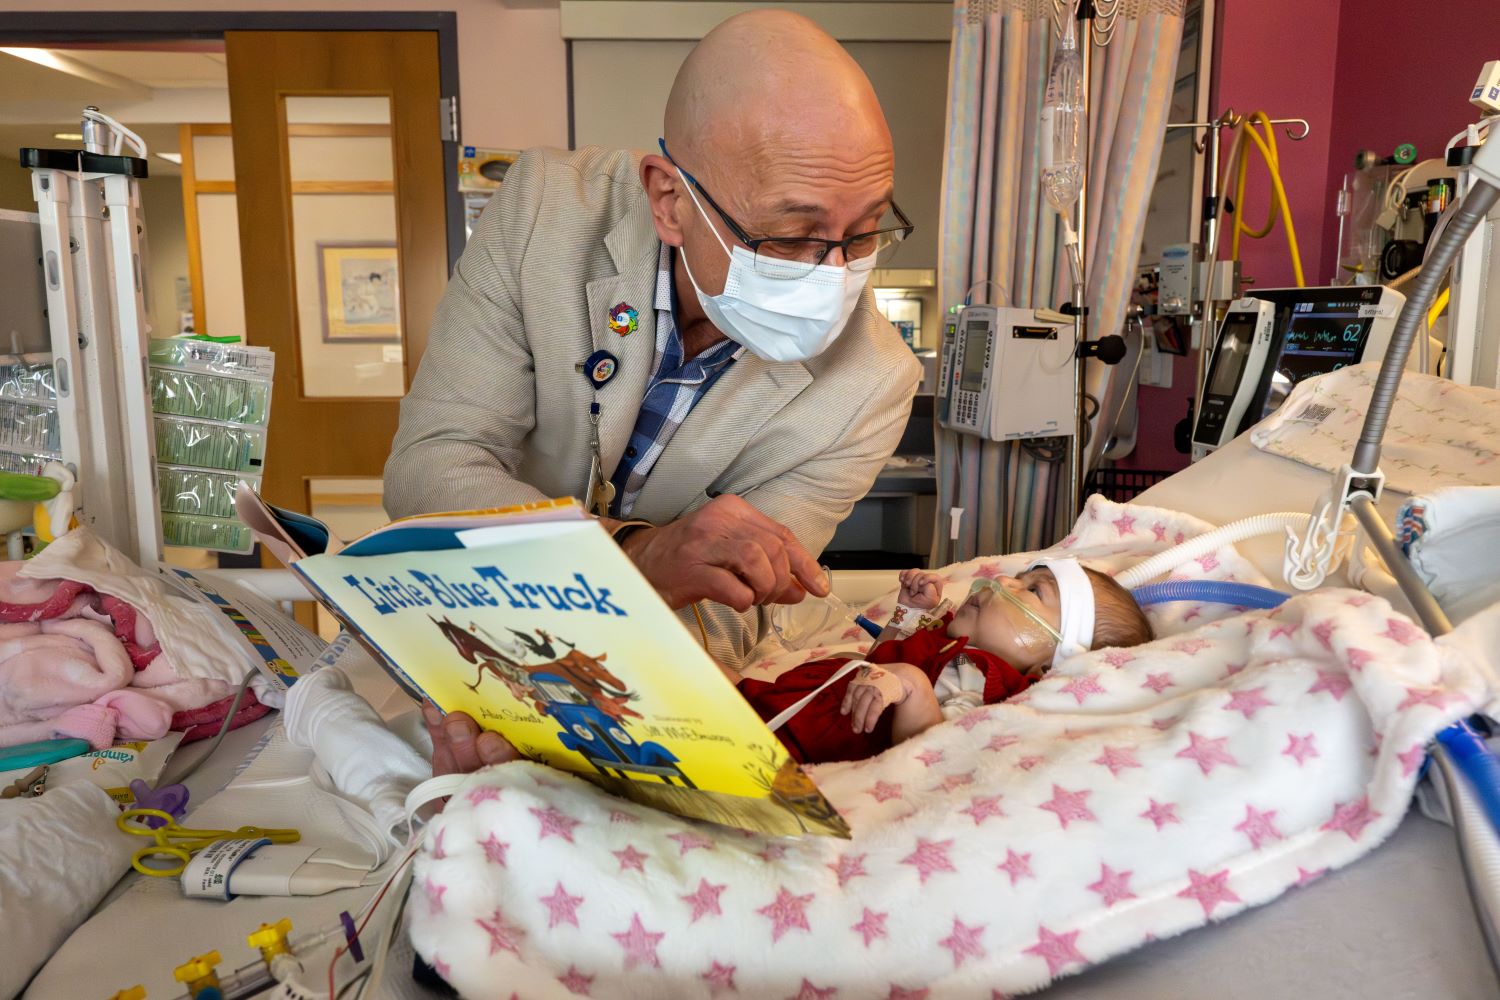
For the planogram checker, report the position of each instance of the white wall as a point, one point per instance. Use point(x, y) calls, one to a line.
point(161, 198)
point(15, 186)
point(512, 62)
point(620, 89)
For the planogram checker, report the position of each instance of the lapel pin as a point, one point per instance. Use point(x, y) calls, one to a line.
point(623, 319)
point(600, 367)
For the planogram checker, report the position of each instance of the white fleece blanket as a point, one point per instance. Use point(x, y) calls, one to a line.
point(1440, 433)
point(1129, 796)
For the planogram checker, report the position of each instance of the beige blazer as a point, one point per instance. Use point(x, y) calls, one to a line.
point(498, 412)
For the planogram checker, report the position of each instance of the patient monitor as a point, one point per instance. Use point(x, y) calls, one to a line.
point(1006, 374)
point(1240, 353)
point(1274, 338)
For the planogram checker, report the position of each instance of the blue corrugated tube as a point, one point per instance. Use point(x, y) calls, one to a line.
point(1479, 765)
point(1239, 595)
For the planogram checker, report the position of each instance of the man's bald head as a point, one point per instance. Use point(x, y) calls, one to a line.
point(770, 77)
point(780, 124)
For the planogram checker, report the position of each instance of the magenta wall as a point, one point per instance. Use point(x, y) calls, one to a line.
point(1276, 56)
point(1366, 74)
point(1413, 90)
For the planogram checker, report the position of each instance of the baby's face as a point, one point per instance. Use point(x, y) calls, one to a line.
point(994, 624)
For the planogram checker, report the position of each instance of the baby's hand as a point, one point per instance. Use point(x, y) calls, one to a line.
point(921, 589)
point(873, 690)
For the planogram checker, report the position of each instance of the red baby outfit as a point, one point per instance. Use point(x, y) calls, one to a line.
point(819, 733)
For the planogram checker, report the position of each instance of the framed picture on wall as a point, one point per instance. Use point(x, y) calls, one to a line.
point(361, 293)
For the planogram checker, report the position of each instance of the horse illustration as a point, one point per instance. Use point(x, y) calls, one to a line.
point(594, 681)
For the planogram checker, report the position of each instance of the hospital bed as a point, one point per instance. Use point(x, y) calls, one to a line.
point(1396, 924)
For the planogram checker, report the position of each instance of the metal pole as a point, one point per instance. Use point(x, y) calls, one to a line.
point(1434, 620)
point(1205, 317)
point(1077, 464)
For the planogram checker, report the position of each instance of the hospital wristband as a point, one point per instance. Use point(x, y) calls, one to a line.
point(905, 619)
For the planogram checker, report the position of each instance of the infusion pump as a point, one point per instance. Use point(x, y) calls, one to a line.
point(1006, 374)
point(1273, 339)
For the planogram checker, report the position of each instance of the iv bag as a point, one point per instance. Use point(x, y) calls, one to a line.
point(1062, 125)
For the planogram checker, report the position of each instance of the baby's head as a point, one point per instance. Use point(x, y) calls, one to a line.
point(1053, 610)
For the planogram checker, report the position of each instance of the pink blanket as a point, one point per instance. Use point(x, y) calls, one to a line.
point(77, 663)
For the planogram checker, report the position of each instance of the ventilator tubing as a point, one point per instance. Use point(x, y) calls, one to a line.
point(1478, 765)
point(1235, 531)
point(1478, 843)
point(1239, 595)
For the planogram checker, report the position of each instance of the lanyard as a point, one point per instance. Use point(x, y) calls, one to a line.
point(599, 368)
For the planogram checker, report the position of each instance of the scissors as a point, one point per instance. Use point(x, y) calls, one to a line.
point(181, 843)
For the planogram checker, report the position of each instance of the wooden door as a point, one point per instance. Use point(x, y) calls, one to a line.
point(339, 182)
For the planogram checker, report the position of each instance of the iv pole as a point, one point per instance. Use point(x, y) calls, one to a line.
point(1202, 311)
point(1077, 457)
point(93, 243)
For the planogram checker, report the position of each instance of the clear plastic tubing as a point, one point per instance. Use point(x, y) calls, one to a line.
point(1235, 531)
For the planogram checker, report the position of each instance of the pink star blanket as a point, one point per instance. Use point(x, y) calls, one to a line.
point(1130, 795)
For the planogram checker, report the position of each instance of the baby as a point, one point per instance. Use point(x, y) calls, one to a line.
point(934, 662)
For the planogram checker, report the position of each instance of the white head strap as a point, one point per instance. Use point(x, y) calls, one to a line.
point(1075, 596)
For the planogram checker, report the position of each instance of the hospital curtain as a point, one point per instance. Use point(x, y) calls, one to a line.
point(997, 231)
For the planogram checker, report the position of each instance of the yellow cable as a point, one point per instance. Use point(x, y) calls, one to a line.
point(1279, 203)
point(701, 630)
point(1437, 308)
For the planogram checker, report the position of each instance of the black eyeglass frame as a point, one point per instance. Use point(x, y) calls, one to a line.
point(905, 229)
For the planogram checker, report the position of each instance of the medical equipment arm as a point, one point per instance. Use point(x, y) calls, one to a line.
point(459, 443)
point(1360, 481)
point(1475, 206)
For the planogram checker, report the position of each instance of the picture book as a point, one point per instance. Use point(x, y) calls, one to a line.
point(535, 623)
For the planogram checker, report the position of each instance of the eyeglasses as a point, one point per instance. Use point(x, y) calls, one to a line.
point(796, 256)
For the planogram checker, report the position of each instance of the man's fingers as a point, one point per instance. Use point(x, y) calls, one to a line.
point(721, 586)
point(462, 732)
point(805, 568)
point(794, 593)
point(494, 748)
point(752, 564)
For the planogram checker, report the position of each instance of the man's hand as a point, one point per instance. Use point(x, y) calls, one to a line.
point(727, 552)
point(460, 746)
point(920, 589)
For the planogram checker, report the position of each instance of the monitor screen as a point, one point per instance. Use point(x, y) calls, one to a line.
point(1320, 337)
point(1234, 348)
point(976, 340)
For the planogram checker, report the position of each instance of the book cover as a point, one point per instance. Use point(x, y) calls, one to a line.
point(536, 624)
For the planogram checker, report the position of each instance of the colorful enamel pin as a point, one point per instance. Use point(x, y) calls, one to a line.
point(623, 319)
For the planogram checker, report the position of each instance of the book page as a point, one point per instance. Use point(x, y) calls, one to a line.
point(548, 634)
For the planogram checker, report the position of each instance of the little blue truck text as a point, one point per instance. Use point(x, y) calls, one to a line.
point(393, 594)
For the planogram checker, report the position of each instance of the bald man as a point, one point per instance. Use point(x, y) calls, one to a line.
point(683, 338)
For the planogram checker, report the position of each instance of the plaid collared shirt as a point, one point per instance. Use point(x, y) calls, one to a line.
point(674, 389)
